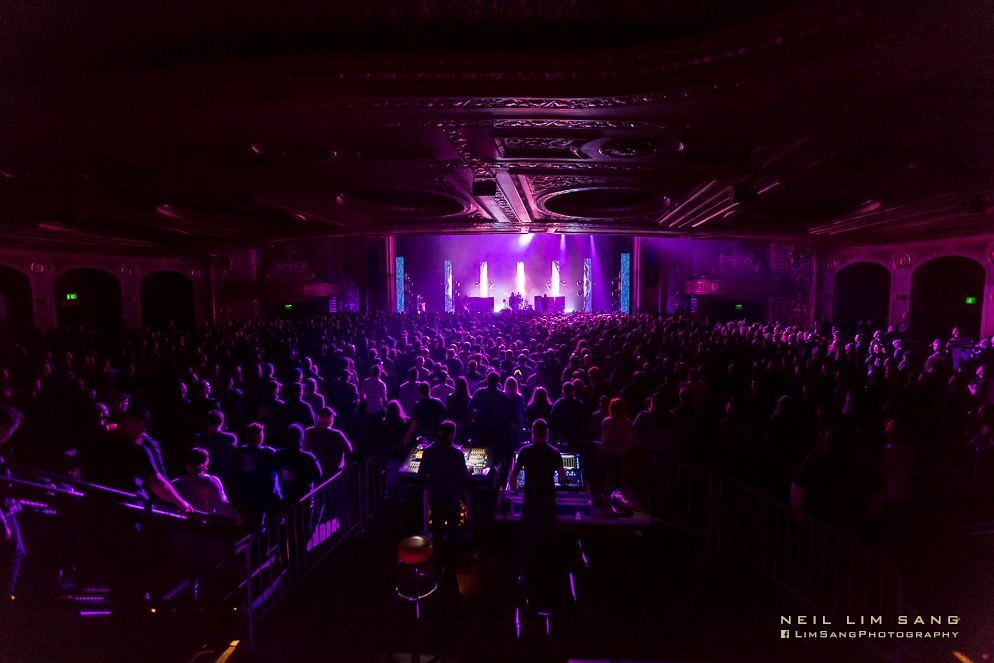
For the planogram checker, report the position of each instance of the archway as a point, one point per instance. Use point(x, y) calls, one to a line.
point(861, 293)
point(167, 297)
point(945, 293)
point(88, 298)
point(16, 312)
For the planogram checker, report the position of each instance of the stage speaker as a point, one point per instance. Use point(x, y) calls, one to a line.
point(484, 187)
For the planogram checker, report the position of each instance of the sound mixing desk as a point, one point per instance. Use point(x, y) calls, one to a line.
point(479, 461)
point(573, 501)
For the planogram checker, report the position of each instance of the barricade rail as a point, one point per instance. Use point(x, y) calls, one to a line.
point(677, 494)
point(290, 544)
point(822, 568)
point(380, 477)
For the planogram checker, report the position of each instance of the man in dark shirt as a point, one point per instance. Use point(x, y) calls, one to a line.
point(569, 416)
point(220, 445)
point(257, 486)
point(329, 445)
point(443, 466)
point(427, 415)
point(491, 414)
point(295, 409)
point(298, 470)
point(121, 461)
point(541, 463)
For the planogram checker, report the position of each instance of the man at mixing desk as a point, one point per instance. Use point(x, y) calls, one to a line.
point(444, 468)
point(540, 463)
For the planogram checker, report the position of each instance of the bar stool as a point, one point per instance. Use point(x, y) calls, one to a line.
point(415, 577)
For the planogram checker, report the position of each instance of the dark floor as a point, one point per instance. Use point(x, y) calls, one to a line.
point(641, 595)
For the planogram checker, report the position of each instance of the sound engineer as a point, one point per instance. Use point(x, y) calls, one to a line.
point(538, 509)
point(443, 466)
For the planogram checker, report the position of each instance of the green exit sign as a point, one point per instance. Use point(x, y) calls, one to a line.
point(738, 307)
point(71, 296)
point(288, 307)
point(971, 300)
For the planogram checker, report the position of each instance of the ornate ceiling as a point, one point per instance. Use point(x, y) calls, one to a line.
point(196, 127)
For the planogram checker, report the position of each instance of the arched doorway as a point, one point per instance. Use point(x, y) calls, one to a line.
point(861, 293)
point(16, 311)
point(167, 297)
point(88, 298)
point(945, 293)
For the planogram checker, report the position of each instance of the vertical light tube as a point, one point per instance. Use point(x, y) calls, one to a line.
point(588, 289)
point(555, 278)
point(448, 286)
point(520, 281)
point(484, 279)
point(625, 303)
point(399, 282)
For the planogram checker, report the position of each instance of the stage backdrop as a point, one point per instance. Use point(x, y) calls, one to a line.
point(424, 260)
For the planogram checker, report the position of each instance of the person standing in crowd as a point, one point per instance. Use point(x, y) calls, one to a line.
point(120, 461)
point(373, 394)
point(295, 409)
point(256, 483)
point(203, 491)
point(569, 414)
point(457, 404)
point(219, 444)
point(539, 407)
point(491, 416)
point(443, 467)
point(427, 415)
point(408, 391)
point(329, 445)
point(298, 470)
point(11, 545)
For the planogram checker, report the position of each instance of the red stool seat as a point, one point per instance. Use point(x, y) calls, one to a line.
point(414, 550)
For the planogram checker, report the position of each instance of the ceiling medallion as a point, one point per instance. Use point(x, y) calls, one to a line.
point(902, 261)
point(127, 270)
point(41, 268)
point(831, 266)
point(598, 202)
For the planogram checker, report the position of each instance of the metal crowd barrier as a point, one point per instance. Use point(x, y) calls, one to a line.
point(680, 495)
point(380, 478)
point(822, 568)
point(277, 556)
point(677, 494)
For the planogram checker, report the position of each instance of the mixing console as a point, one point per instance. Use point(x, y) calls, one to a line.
point(571, 462)
point(478, 460)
